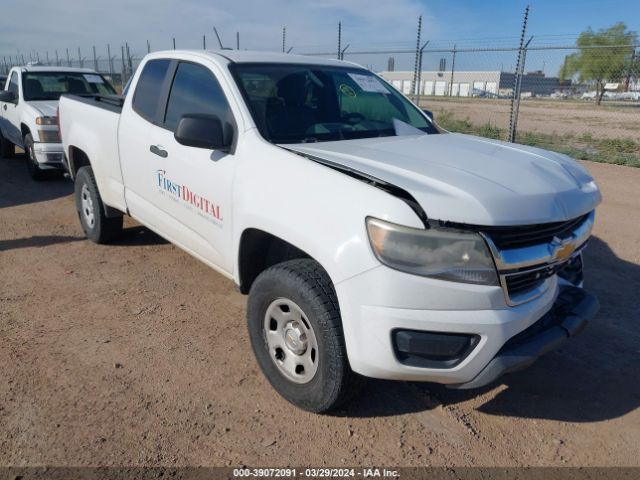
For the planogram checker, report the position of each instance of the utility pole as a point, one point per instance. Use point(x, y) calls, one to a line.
point(174, 43)
point(414, 84)
point(110, 60)
point(453, 67)
point(284, 38)
point(129, 60)
point(148, 47)
point(420, 72)
point(95, 59)
point(204, 42)
point(124, 67)
point(237, 40)
point(68, 58)
point(627, 80)
point(57, 59)
point(339, 39)
point(515, 97)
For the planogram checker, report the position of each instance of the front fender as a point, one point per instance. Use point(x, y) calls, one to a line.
point(313, 207)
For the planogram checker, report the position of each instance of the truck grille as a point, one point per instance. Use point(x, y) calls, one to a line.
point(523, 282)
point(526, 235)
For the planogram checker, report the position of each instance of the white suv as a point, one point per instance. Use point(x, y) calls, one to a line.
point(28, 107)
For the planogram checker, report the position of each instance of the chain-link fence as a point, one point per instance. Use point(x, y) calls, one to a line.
point(516, 93)
point(116, 64)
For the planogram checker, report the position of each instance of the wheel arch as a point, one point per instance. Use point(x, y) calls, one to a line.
point(259, 250)
point(78, 158)
point(24, 130)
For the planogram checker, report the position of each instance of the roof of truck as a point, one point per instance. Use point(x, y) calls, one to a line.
point(43, 68)
point(248, 56)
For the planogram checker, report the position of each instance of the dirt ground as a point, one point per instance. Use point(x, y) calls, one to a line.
point(546, 116)
point(137, 354)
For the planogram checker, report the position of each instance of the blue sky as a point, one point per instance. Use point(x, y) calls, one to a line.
point(39, 26)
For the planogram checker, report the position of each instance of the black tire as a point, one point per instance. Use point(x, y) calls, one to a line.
point(304, 282)
point(96, 225)
point(7, 149)
point(35, 172)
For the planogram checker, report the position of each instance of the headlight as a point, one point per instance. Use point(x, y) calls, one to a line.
point(46, 121)
point(437, 253)
point(49, 136)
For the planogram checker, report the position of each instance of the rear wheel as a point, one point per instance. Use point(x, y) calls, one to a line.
point(33, 167)
point(96, 225)
point(296, 334)
point(7, 149)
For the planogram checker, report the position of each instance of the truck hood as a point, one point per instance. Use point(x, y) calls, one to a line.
point(466, 179)
point(44, 108)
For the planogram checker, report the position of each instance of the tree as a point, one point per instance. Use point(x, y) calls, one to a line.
point(603, 57)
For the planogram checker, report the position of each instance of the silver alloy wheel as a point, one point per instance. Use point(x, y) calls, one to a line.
point(292, 343)
point(86, 204)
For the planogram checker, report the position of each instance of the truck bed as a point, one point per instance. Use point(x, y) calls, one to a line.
point(89, 128)
point(112, 103)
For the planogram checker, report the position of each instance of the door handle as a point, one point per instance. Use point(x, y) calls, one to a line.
point(4, 106)
point(158, 150)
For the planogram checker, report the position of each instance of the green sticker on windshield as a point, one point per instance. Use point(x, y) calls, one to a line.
point(347, 90)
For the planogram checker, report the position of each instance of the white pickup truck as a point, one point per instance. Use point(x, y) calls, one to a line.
point(369, 240)
point(28, 107)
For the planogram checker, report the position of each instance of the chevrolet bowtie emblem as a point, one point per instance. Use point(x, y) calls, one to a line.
point(562, 248)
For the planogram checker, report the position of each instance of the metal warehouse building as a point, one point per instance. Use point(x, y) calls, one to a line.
point(476, 84)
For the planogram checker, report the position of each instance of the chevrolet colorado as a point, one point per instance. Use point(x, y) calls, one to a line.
point(369, 240)
point(28, 106)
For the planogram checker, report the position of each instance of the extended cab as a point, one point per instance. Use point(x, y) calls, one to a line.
point(370, 241)
point(28, 107)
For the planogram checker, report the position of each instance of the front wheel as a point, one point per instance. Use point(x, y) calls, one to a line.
point(96, 225)
point(296, 334)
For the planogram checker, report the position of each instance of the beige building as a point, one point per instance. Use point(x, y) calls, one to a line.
point(472, 83)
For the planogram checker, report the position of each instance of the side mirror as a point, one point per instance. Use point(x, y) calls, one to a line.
point(7, 96)
point(203, 131)
point(428, 113)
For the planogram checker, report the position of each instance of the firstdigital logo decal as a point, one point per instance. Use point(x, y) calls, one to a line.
point(188, 197)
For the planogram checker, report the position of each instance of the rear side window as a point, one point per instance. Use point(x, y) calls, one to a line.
point(196, 90)
point(13, 84)
point(147, 94)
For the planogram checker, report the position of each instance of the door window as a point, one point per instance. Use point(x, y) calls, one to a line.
point(147, 94)
point(196, 90)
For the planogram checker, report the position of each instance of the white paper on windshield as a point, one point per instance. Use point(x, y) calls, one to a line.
point(368, 83)
point(91, 78)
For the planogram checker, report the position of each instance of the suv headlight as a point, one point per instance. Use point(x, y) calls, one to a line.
point(445, 254)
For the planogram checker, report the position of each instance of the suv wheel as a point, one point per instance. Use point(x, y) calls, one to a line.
point(96, 225)
point(296, 334)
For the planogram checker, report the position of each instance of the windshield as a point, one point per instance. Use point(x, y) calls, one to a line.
point(317, 103)
point(50, 85)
